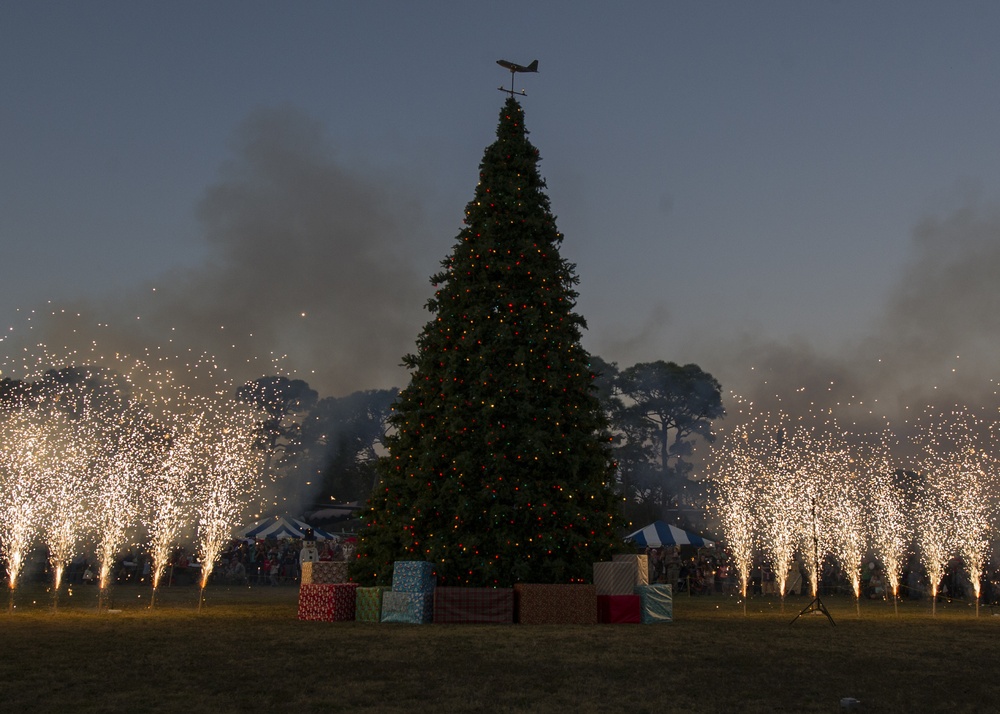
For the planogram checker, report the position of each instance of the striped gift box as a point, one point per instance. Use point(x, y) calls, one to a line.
point(324, 572)
point(615, 578)
point(619, 609)
point(327, 602)
point(657, 603)
point(641, 565)
point(541, 604)
point(407, 607)
point(474, 605)
point(412, 576)
point(369, 603)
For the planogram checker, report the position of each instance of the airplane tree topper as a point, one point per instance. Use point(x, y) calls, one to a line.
point(515, 68)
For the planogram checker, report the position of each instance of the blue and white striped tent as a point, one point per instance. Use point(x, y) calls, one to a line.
point(659, 533)
point(280, 527)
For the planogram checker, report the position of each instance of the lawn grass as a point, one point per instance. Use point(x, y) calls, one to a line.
point(246, 651)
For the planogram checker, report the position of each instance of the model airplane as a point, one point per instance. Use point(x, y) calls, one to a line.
point(514, 67)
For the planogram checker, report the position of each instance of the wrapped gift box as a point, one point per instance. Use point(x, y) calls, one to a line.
point(615, 578)
point(327, 602)
point(641, 566)
point(657, 603)
point(539, 604)
point(324, 572)
point(619, 609)
point(411, 608)
point(412, 576)
point(369, 603)
point(474, 605)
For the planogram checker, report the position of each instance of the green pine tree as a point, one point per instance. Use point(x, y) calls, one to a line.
point(499, 470)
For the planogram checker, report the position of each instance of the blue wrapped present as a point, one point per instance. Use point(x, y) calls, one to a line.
point(413, 576)
point(409, 608)
point(657, 603)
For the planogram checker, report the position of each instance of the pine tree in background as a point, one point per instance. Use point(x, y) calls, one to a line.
point(499, 470)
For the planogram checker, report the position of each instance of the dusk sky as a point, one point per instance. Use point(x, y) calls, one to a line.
point(785, 191)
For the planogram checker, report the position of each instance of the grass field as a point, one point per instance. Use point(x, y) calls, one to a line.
point(246, 652)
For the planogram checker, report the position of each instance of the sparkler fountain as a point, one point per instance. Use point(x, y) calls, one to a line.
point(228, 464)
point(132, 451)
point(849, 542)
point(168, 490)
point(959, 476)
point(889, 526)
point(735, 469)
point(20, 438)
point(819, 489)
point(779, 529)
point(736, 513)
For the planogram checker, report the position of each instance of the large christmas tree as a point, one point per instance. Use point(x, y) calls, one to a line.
point(499, 470)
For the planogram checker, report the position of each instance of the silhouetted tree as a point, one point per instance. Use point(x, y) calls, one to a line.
point(341, 441)
point(282, 400)
point(663, 409)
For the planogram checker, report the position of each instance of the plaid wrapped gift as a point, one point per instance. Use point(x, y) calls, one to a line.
point(474, 605)
point(641, 566)
point(556, 604)
point(411, 608)
point(324, 572)
point(619, 609)
point(657, 603)
point(412, 576)
point(616, 578)
point(369, 604)
point(327, 602)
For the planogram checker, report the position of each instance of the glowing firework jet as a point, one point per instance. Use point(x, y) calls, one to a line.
point(779, 528)
point(22, 440)
point(849, 536)
point(168, 492)
point(736, 514)
point(778, 516)
point(935, 534)
point(817, 458)
point(889, 523)
point(228, 465)
point(132, 449)
point(960, 474)
point(735, 468)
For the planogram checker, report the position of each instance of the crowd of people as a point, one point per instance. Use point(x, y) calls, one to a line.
point(269, 562)
point(243, 562)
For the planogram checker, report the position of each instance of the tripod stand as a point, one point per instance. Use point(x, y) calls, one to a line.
point(817, 603)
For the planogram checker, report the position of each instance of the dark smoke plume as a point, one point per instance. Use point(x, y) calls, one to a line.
point(310, 268)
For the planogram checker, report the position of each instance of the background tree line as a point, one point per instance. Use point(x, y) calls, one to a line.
point(658, 412)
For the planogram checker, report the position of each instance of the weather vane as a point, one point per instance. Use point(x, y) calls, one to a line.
point(515, 68)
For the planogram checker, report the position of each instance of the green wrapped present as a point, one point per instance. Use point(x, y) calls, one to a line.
point(369, 603)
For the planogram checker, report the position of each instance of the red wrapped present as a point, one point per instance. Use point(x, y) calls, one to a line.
point(539, 604)
point(474, 605)
point(619, 609)
point(327, 602)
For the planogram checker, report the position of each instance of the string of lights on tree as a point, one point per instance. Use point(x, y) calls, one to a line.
point(499, 470)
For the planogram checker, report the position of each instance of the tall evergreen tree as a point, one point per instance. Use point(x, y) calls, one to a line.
point(499, 469)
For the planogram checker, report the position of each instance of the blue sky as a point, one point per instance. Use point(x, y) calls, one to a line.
point(789, 189)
